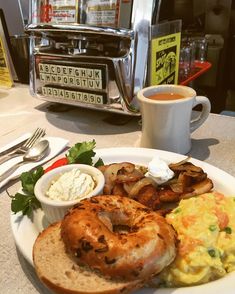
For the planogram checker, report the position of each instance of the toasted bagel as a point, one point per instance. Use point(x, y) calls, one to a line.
point(119, 237)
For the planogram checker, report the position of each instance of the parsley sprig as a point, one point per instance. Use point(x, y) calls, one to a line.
point(26, 201)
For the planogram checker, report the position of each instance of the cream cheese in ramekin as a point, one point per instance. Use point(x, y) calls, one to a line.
point(71, 185)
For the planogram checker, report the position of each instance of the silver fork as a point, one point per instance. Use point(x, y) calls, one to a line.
point(37, 135)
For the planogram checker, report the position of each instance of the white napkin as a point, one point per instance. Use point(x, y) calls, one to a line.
point(56, 145)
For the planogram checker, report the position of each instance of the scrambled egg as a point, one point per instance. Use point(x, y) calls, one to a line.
point(206, 234)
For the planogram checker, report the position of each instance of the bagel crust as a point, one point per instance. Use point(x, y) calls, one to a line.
point(119, 237)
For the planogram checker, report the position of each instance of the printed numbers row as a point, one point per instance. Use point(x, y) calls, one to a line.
point(73, 95)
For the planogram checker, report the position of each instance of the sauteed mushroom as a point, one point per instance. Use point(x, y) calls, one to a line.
point(126, 179)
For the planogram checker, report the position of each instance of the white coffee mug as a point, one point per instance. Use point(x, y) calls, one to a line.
point(167, 124)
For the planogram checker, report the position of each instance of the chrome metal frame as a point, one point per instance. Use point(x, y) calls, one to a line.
point(76, 45)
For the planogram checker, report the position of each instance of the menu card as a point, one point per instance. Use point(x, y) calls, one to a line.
point(5, 73)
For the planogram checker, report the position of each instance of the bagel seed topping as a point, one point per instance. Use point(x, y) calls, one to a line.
point(102, 249)
point(77, 205)
point(160, 236)
point(144, 209)
point(109, 261)
point(93, 200)
point(101, 239)
point(86, 246)
point(79, 208)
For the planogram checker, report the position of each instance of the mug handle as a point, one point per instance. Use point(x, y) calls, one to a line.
point(206, 108)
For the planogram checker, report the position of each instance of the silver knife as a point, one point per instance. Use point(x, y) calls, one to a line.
point(12, 148)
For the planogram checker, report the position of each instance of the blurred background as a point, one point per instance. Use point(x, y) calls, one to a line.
point(215, 21)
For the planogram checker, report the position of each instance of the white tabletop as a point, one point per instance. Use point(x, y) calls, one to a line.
point(213, 142)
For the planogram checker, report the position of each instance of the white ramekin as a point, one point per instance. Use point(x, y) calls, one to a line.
point(55, 210)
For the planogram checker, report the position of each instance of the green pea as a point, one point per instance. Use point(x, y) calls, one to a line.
point(228, 230)
point(212, 228)
point(212, 252)
point(177, 210)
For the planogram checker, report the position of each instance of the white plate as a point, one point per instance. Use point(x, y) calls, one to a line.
point(26, 230)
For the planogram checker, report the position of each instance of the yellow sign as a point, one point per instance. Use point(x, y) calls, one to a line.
point(165, 59)
point(5, 74)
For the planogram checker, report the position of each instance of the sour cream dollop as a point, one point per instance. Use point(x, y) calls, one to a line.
point(71, 185)
point(159, 171)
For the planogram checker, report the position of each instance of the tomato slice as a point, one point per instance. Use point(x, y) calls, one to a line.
point(60, 162)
